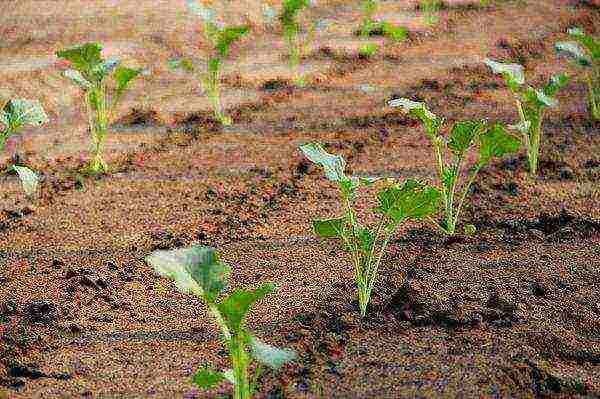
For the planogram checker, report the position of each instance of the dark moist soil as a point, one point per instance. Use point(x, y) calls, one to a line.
point(511, 311)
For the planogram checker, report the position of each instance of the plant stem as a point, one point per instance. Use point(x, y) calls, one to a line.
point(593, 104)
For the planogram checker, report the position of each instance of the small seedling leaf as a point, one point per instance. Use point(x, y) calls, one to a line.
point(18, 113)
point(496, 143)
point(235, 307)
point(556, 83)
point(413, 199)
point(84, 58)
point(575, 52)
point(124, 76)
point(419, 110)
point(105, 68)
point(228, 36)
point(513, 73)
point(183, 63)
point(29, 179)
point(271, 355)
point(195, 269)
point(333, 165)
point(589, 42)
point(206, 378)
point(464, 134)
point(540, 99)
point(329, 228)
point(78, 78)
point(522, 127)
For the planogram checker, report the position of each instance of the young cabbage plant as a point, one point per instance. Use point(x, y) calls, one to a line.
point(15, 115)
point(493, 140)
point(91, 73)
point(398, 203)
point(199, 271)
point(219, 39)
point(369, 25)
point(531, 104)
point(430, 9)
point(288, 18)
point(585, 52)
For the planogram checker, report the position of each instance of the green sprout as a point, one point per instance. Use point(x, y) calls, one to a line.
point(219, 38)
point(370, 25)
point(531, 103)
point(398, 203)
point(198, 270)
point(430, 8)
point(15, 115)
point(288, 18)
point(493, 140)
point(585, 51)
point(90, 73)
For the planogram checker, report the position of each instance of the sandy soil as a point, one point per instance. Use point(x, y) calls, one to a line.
point(510, 312)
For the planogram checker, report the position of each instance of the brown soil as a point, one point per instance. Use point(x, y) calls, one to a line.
point(509, 312)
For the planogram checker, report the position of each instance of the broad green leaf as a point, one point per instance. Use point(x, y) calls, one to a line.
point(123, 77)
point(235, 307)
point(333, 165)
point(18, 113)
point(290, 9)
point(206, 378)
point(29, 179)
point(84, 58)
point(271, 355)
point(329, 228)
point(183, 63)
point(539, 98)
point(419, 110)
point(496, 143)
point(413, 199)
point(575, 52)
point(556, 83)
point(78, 78)
point(464, 134)
point(229, 36)
point(513, 73)
point(590, 43)
point(449, 176)
point(366, 239)
point(229, 376)
point(207, 14)
point(396, 33)
point(196, 270)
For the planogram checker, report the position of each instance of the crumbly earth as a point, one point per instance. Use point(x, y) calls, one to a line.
point(511, 311)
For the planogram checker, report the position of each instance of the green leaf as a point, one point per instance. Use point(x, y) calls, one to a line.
point(18, 113)
point(183, 63)
point(104, 69)
point(206, 378)
point(419, 110)
point(229, 36)
point(290, 10)
point(591, 44)
point(413, 199)
point(556, 83)
point(196, 270)
point(449, 176)
point(464, 134)
point(512, 73)
point(496, 143)
point(522, 127)
point(366, 239)
point(539, 99)
point(329, 228)
point(333, 165)
point(29, 179)
point(271, 355)
point(84, 58)
point(575, 52)
point(396, 33)
point(235, 307)
point(123, 77)
point(78, 78)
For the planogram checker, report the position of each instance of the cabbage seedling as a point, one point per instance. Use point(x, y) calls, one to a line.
point(585, 52)
point(398, 203)
point(15, 115)
point(90, 73)
point(493, 140)
point(369, 25)
point(430, 8)
point(219, 39)
point(199, 271)
point(291, 30)
point(531, 103)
